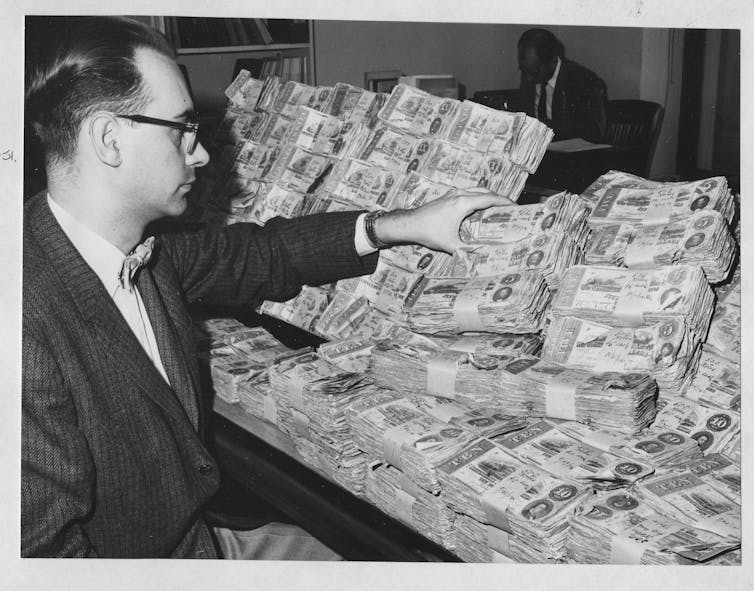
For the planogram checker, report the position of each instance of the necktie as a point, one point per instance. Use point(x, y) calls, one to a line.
point(542, 107)
point(133, 262)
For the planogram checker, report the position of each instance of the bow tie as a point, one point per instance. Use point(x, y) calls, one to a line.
point(133, 262)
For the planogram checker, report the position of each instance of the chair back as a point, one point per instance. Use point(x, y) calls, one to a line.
point(635, 124)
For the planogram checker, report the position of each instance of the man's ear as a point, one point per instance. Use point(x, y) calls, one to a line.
point(104, 136)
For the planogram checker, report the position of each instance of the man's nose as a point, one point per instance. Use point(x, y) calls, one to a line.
point(199, 158)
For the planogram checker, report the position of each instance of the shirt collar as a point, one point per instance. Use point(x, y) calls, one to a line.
point(552, 81)
point(104, 258)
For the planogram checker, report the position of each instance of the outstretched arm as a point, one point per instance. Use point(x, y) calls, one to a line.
point(436, 224)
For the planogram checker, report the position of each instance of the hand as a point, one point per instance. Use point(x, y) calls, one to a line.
point(436, 224)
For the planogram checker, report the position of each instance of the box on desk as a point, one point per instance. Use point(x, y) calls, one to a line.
point(444, 85)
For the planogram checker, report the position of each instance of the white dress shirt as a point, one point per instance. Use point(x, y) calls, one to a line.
point(106, 260)
point(550, 90)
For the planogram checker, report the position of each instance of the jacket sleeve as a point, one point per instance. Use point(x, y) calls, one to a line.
point(57, 472)
point(244, 264)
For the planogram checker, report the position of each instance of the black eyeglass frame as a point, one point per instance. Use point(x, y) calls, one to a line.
point(191, 127)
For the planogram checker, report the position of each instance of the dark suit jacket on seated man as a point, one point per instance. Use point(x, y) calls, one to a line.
point(575, 96)
point(113, 461)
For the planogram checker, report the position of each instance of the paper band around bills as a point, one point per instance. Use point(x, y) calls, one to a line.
point(498, 539)
point(270, 410)
point(301, 421)
point(466, 312)
point(624, 550)
point(629, 311)
point(442, 370)
point(560, 400)
point(392, 445)
point(493, 512)
point(658, 213)
point(639, 256)
point(404, 506)
point(296, 392)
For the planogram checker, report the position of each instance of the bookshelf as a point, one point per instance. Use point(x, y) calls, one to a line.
point(211, 50)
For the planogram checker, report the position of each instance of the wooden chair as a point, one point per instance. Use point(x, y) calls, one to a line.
point(633, 127)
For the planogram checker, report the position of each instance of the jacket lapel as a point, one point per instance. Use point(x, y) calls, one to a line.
point(167, 315)
point(99, 311)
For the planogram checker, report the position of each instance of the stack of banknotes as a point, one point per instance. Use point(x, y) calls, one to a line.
point(623, 528)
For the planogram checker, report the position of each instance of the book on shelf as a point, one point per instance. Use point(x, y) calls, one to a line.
point(197, 32)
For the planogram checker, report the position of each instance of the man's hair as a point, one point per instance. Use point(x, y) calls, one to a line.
point(76, 66)
point(545, 44)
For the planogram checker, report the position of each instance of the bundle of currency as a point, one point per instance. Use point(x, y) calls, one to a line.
point(321, 202)
point(244, 91)
point(666, 351)
point(713, 428)
point(548, 448)
point(657, 447)
point(237, 125)
point(508, 303)
point(341, 317)
point(492, 344)
point(563, 213)
point(628, 297)
point(549, 253)
point(720, 472)
point(482, 542)
point(266, 202)
point(258, 399)
point(418, 259)
point(386, 289)
point(292, 95)
point(414, 190)
point(318, 132)
point(459, 167)
point(271, 129)
point(228, 331)
point(481, 422)
point(532, 144)
point(295, 168)
point(395, 429)
point(352, 354)
point(365, 185)
point(390, 490)
point(389, 148)
point(621, 528)
point(717, 381)
point(301, 311)
point(691, 500)
point(490, 486)
point(415, 111)
point(701, 239)
point(617, 198)
point(425, 368)
point(313, 395)
point(529, 386)
point(254, 160)
point(483, 129)
point(353, 104)
point(725, 329)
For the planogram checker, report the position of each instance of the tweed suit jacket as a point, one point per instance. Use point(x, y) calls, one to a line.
point(579, 103)
point(113, 464)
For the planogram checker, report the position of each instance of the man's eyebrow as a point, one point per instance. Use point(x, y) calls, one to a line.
point(187, 114)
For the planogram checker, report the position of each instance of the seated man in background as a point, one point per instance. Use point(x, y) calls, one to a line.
point(114, 463)
point(566, 96)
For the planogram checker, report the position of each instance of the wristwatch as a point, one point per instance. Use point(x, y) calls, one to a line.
point(369, 220)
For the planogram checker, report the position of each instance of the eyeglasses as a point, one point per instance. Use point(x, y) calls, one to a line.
point(190, 129)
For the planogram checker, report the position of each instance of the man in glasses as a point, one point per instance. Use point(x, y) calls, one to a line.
point(113, 463)
point(565, 95)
